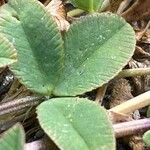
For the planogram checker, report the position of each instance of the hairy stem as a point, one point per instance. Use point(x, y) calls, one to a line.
point(19, 104)
point(91, 7)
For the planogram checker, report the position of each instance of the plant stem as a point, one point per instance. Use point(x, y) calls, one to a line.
point(134, 72)
point(133, 104)
point(75, 12)
point(91, 7)
point(19, 104)
point(131, 127)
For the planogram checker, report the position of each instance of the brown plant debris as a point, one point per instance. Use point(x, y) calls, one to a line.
point(140, 84)
point(139, 53)
point(138, 11)
point(57, 10)
point(2, 2)
point(121, 92)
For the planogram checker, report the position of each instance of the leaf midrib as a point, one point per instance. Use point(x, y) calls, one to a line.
point(71, 124)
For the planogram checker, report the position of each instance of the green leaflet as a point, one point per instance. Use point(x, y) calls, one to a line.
point(88, 5)
point(146, 138)
point(91, 53)
point(7, 52)
point(96, 49)
point(38, 43)
point(76, 124)
point(13, 139)
point(148, 112)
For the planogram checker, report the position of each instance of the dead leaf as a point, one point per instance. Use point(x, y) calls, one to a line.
point(139, 53)
point(57, 10)
point(121, 92)
point(138, 11)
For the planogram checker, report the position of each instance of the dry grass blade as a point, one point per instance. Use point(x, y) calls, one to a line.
point(101, 93)
point(123, 6)
point(133, 104)
point(139, 35)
